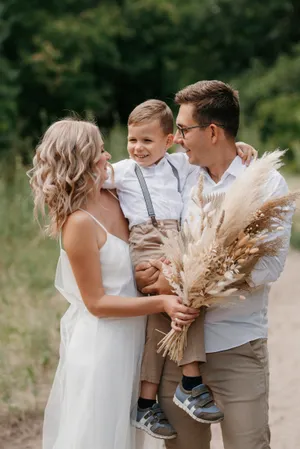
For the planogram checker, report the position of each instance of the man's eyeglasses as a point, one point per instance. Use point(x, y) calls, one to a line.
point(184, 129)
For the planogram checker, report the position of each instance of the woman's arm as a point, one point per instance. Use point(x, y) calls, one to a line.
point(82, 241)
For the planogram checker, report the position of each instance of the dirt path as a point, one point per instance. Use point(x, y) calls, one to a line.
point(284, 346)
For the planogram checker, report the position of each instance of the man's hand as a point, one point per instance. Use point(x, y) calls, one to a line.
point(246, 152)
point(160, 287)
point(145, 274)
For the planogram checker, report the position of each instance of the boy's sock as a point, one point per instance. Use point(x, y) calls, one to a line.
point(189, 383)
point(146, 403)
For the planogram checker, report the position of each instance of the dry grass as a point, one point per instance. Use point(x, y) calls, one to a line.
point(30, 311)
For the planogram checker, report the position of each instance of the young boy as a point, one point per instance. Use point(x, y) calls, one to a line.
point(149, 186)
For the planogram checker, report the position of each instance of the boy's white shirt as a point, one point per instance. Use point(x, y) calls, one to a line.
point(162, 185)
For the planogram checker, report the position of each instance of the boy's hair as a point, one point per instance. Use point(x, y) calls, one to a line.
point(151, 110)
point(214, 102)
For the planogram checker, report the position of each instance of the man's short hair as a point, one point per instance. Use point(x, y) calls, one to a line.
point(153, 110)
point(214, 102)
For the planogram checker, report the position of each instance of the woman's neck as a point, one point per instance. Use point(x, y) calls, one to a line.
point(97, 201)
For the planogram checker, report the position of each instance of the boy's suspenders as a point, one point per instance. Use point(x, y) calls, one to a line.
point(176, 174)
point(145, 190)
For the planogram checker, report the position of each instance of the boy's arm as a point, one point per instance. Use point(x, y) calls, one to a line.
point(116, 175)
point(110, 183)
point(246, 152)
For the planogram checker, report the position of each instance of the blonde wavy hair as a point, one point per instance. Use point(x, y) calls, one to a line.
point(64, 170)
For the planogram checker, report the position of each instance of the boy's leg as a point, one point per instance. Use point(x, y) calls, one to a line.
point(239, 379)
point(195, 350)
point(150, 417)
point(192, 395)
point(153, 363)
point(194, 354)
point(190, 433)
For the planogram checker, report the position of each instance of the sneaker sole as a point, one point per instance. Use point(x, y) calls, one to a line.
point(190, 413)
point(152, 434)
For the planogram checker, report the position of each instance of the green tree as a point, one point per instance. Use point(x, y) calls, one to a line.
point(270, 100)
point(101, 58)
point(9, 90)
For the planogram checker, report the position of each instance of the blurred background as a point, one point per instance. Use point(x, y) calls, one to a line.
point(100, 59)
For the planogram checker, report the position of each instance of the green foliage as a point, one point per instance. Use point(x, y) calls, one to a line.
point(116, 142)
point(103, 58)
point(271, 103)
point(9, 90)
point(294, 184)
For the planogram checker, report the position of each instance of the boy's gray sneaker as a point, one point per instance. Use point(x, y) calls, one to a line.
point(153, 421)
point(198, 403)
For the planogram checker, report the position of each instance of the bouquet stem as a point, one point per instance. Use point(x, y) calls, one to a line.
point(174, 344)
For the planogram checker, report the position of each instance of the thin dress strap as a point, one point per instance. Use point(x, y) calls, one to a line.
point(95, 219)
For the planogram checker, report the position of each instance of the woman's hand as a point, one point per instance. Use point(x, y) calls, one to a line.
point(180, 314)
point(176, 327)
point(246, 152)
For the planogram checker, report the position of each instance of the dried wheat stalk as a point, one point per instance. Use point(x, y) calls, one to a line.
point(212, 257)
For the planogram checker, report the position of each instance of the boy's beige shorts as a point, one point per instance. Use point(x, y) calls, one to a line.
point(146, 240)
point(146, 243)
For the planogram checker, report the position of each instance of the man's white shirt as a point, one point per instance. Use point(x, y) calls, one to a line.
point(162, 185)
point(242, 320)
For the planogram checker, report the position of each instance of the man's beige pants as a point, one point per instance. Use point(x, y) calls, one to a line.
point(239, 380)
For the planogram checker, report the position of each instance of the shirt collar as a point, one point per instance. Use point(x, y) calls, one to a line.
point(152, 167)
point(235, 169)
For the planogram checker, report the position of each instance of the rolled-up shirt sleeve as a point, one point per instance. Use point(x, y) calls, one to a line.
point(116, 175)
point(269, 268)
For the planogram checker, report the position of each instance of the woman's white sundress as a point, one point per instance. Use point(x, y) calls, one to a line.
point(97, 380)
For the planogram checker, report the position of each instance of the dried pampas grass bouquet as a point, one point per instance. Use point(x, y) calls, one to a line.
point(212, 257)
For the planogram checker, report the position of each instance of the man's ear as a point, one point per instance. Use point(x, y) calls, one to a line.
point(214, 133)
point(170, 140)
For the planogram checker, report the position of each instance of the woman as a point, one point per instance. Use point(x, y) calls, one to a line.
point(102, 332)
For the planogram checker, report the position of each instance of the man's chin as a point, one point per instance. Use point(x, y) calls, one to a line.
point(190, 156)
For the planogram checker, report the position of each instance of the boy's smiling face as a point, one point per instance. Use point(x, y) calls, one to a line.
point(147, 143)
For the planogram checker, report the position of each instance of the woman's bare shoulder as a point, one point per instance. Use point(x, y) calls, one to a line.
point(78, 220)
point(80, 231)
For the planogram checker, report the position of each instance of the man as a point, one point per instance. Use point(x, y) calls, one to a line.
point(235, 337)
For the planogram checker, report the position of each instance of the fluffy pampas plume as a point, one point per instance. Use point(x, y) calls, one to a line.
point(212, 257)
